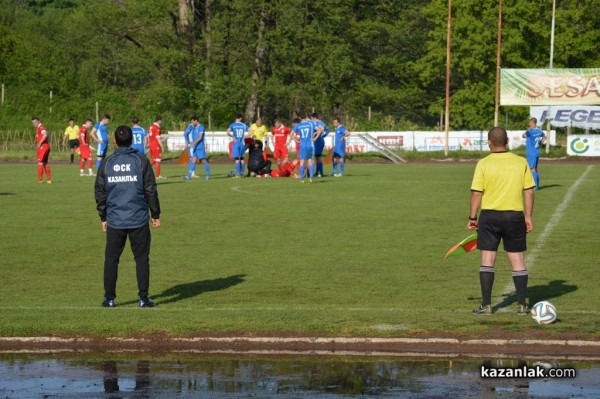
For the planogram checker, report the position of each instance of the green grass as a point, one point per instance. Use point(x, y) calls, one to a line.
point(360, 255)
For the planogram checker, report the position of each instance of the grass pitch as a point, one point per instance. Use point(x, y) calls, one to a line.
point(360, 255)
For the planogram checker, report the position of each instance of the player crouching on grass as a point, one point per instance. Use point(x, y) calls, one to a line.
point(125, 189)
point(258, 164)
point(503, 188)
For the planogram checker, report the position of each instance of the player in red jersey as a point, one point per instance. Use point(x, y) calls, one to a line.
point(156, 146)
point(295, 137)
point(281, 137)
point(286, 169)
point(43, 150)
point(84, 148)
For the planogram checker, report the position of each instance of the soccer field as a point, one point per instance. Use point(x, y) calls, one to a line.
point(360, 255)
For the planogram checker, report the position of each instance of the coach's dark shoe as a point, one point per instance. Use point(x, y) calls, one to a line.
point(108, 303)
point(523, 310)
point(146, 303)
point(487, 309)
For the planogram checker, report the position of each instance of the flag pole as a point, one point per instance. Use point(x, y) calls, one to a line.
point(498, 63)
point(447, 120)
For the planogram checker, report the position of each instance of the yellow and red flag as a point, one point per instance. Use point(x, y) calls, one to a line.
point(467, 245)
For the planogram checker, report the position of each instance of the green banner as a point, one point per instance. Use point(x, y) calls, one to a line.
point(550, 86)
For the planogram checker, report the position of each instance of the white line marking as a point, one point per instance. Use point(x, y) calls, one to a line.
point(310, 309)
point(532, 255)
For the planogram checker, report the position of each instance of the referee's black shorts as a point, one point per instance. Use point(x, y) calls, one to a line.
point(506, 225)
point(74, 143)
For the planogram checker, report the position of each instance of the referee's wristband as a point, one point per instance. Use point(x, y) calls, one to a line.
point(473, 219)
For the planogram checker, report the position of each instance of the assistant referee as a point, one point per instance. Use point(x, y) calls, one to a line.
point(503, 188)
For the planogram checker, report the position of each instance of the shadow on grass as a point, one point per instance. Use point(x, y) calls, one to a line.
point(183, 291)
point(189, 290)
point(536, 293)
point(550, 186)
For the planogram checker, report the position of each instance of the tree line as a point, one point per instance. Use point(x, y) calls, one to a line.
point(378, 64)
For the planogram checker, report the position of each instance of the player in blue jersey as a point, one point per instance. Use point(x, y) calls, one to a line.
point(238, 130)
point(100, 134)
point(196, 146)
point(306, 132)
point(534, 136)
point(339, 147)
point(140, 137)
point(320, 142)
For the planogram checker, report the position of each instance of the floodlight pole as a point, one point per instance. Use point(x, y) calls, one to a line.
point(447, 120)
point(498, 62)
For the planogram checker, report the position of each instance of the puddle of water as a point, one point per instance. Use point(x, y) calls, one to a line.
point(313, 377)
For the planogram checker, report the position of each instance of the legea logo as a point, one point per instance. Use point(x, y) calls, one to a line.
point(579, 146)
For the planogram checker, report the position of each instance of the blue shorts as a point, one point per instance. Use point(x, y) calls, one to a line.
point(319, 146)
point(339, 151)
point(532, 161)
point(306, 153)
point(140, 150)
point(238, 149)
point(199, 152)
point(102, 150)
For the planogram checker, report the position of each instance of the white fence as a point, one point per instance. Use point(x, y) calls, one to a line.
point(410, 140)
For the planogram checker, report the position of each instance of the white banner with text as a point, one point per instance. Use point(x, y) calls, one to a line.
point(467, 140)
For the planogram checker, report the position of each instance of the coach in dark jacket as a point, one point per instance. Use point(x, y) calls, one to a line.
point(125, 189)
point(257, 163)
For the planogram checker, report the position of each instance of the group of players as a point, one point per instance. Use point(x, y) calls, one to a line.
point(79, 141)
point(307, 132)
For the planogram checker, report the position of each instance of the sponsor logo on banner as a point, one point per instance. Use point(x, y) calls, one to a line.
point(550, 86)
point(563, 116)
point(391, 141)
point(585, 146)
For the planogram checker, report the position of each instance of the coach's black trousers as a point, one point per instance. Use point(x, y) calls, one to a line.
point(139, 239)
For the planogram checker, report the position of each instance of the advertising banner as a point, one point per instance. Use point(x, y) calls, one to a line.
point(586, 145)
point(468, 140)
point(564, 116)
point(575, 86)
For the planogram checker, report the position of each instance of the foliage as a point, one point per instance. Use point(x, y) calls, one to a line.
point(276, 58)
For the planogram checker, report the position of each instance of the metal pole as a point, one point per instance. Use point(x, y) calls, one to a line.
point(447, 124)
point(498, 63)
point(552, 34)
point(551, 66)
point(97, 114)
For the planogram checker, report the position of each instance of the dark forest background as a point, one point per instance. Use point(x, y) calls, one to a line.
point(379, 64)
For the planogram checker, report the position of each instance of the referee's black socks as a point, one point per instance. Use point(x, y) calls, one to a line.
point(486, 279)
point(520, 279)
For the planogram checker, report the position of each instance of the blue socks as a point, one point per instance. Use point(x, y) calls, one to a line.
point(536, 178)
point(302, 172)
point(239, 168)
point(342, 165)
point(191, 168)
point(206, 168)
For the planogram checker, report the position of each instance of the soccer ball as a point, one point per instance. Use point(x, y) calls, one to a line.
point(544, 312)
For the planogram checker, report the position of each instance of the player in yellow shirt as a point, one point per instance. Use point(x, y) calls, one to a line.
point(259, 131)
point(503, 188)
point(72, 134)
